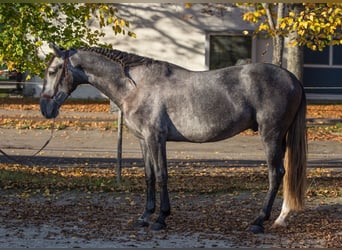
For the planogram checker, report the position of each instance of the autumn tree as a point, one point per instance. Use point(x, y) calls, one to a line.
point(315, 25)
point(25, 27)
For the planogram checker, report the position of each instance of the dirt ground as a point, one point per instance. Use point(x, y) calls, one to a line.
point(77, 219)
point(205, 212)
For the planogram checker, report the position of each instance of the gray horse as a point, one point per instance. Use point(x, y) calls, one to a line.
point(164, 102)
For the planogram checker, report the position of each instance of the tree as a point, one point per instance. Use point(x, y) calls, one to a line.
point(273, 24)
point(295, 53)
point(25, 27)
point(315, 25)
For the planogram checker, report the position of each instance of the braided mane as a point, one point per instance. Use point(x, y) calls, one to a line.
point(124, 58)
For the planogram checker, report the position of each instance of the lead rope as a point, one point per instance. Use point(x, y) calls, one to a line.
point(48, 141)
point(10, 157)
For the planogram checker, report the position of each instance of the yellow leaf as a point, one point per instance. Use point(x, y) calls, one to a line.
point(263, 26)
point(337, 11)
point(132, 34)
point(188, 5)
point(122, 23)
point(47, 192)
point(290, 21)
point(39, 43)
point(104, 7)
point(10, 66)
point(311, 17)
point(283, 25)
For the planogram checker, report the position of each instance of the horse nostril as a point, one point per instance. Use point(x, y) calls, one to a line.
point(47, 108)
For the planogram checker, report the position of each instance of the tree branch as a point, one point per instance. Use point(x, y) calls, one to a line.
point(270, 20)
point(280, 14)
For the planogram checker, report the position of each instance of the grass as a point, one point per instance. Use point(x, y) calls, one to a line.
point(337, 128)
point(181, 179)
point(39, 178)
point(200, 180)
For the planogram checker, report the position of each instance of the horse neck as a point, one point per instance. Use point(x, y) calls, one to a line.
point(104, 74)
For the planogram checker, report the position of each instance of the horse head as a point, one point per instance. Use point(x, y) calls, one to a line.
point(60, 79)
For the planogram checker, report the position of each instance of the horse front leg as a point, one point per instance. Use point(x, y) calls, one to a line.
point(157, 148)
point(165, 210)
point(150, 206)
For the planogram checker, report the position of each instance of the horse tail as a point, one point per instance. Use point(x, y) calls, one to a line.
point(294, 184)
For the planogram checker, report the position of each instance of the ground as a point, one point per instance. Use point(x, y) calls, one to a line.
point(210, 209)
point(69, 198)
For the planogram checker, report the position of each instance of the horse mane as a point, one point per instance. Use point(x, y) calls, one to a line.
point(124, 58)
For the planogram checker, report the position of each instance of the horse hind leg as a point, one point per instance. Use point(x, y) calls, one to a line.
point(280, 221)
point(275, 150)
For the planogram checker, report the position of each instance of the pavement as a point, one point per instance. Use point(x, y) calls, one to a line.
point(73, 146)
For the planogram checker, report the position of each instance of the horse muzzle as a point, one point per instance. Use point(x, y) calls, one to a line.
point(49, 107)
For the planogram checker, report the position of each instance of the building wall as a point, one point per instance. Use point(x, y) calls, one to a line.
point(173, 33)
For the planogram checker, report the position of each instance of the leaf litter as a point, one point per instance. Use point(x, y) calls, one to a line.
point(211, 206)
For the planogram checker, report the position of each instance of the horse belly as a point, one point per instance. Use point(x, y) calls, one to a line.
point(207, 113)
point(199, 130)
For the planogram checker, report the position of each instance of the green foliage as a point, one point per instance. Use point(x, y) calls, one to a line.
point(25, 27)
point(317, 26)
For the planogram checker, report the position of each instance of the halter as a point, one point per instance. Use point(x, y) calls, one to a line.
point(65, 72)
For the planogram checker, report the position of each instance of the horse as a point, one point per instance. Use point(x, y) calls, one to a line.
point(164, 102)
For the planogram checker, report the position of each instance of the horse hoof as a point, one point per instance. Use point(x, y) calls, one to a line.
point(158, 226)
point(256, 229)
point(279, 223)
point(141, 223)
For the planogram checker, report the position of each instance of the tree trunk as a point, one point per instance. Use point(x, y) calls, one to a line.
point(278, 40)
point(295, 61)
point(295, 54)
point(278, 48)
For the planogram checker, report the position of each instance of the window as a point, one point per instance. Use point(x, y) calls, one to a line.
point(316, 57)
point(228, 49)
point(329, 57)
point(337, 55)
point(323, 70)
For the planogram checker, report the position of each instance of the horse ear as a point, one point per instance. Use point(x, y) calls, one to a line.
point(58, 51)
